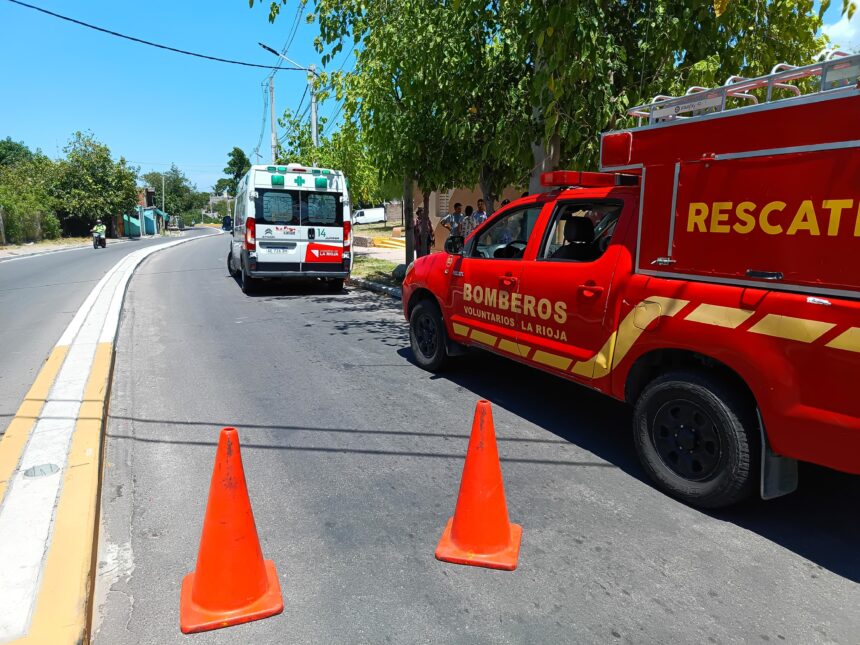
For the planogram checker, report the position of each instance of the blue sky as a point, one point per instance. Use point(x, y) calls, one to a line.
point(152, 106)
point(156, 107)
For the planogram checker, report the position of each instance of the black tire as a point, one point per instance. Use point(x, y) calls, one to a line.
point(230, 268)
point(427, 336)
point(95, 244)
point(696, 438)
point(335, 285)
point(249, 284)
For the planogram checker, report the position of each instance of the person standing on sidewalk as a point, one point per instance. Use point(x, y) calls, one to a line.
point(423, 233)
point(479, 216)
point(454, 221)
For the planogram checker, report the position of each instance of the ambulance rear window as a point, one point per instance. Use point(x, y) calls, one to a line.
point(322, 209)
point(298, 207)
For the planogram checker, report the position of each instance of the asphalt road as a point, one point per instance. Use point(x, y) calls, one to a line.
point(39, 295)
point(353, 457)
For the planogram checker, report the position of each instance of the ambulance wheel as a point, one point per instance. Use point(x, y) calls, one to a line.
point(335, 285)
point(695, 437)
point(230, 268)
point(427, 336)
point(249, 284)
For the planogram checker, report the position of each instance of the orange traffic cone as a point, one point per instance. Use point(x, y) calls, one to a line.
point(231, 583)
point(480, 533)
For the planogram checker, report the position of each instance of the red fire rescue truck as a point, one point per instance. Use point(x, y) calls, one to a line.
point(707, 276)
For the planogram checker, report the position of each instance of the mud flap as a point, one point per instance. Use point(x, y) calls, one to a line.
point(778, 474)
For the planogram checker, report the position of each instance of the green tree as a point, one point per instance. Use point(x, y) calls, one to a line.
point(180, 195)
point(220, 186)
point(237, 165)
point(345, 150)
point(14, 152)
point(90, 185)
point(25, 199)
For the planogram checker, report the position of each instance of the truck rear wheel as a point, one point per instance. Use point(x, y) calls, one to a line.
point(695, 437)
point(427, 336)
point(249, 284)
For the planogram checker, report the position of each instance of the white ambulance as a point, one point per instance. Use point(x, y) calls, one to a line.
point(291, 221)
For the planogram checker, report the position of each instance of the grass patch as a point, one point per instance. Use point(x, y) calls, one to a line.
point(374, 269)
point(60, 241)
point(381, 229)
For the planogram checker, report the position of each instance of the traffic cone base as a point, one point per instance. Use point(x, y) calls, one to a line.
point(193, 618)
point(506, 559)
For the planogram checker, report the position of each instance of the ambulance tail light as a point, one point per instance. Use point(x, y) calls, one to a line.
point(577, 178)
point(347, 248)
point(250, 235)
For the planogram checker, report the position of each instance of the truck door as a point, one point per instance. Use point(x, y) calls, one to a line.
point(567, 287)
point(277, 228)
point(321, 231)
point(484, 295)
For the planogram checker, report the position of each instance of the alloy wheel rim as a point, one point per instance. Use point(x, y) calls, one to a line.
point(686, 440)
point(425, 335)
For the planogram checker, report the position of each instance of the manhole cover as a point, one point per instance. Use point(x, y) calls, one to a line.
point(41, 470)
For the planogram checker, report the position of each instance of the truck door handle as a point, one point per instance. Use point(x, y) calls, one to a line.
point(589, 290)
point(508, 281)
point(764, 275)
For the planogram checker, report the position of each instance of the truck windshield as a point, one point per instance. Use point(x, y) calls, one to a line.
point(298, 207)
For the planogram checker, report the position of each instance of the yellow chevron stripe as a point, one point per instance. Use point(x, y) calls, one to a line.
point(799, 329)
point(482, 337)
point(552, 360)
point(619, 343)
point(514, 348)
point(848, 340)
point(461, 330)
point(729, 317)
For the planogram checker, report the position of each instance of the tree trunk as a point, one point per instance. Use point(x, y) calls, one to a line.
point(545, 159)
point(2, 230)
point(485, 178)
point(423, 241)
point(408, 218)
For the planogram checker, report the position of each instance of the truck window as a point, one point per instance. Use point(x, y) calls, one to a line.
point(580, 232)
point(506, 237)
point(277, 207)
point(322, 209)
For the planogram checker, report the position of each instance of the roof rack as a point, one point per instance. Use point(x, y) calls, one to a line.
point(835, 69)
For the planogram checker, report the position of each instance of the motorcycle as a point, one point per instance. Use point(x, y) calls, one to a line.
point(99, 240)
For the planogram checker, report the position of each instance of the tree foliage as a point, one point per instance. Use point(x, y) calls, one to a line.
point(90, 185)
point(462, 91)
point(237, 165)
point(344, 150)
point(180, 195)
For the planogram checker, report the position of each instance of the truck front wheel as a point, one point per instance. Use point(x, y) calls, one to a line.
point(427, 336)
point(695, 437)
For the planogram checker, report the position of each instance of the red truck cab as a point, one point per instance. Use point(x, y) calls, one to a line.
point(707, 277)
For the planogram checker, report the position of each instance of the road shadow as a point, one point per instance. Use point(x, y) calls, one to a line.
point(291, 288)
point(816, 522)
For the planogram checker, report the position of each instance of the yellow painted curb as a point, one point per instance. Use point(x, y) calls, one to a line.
point(62, 611)
point(18, 433)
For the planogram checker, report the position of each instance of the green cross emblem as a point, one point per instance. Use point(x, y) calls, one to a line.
point(300, 181)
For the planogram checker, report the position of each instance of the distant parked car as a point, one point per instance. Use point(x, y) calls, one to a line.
point(368, 216)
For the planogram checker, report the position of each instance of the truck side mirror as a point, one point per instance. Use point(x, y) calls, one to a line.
point(454, 245)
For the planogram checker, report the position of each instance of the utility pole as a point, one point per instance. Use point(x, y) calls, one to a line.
point(162, 200)
point(314, 134)
point(272, 105)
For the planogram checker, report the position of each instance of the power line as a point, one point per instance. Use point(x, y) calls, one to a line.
point(147, 42)
point(256, 151)
point(333, 118)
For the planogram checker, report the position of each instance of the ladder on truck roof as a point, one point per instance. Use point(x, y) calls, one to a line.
point(836, 70)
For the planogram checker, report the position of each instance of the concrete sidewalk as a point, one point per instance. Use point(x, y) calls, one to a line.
point(398, 256)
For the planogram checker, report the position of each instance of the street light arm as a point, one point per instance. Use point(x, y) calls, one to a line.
point(310, 69)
